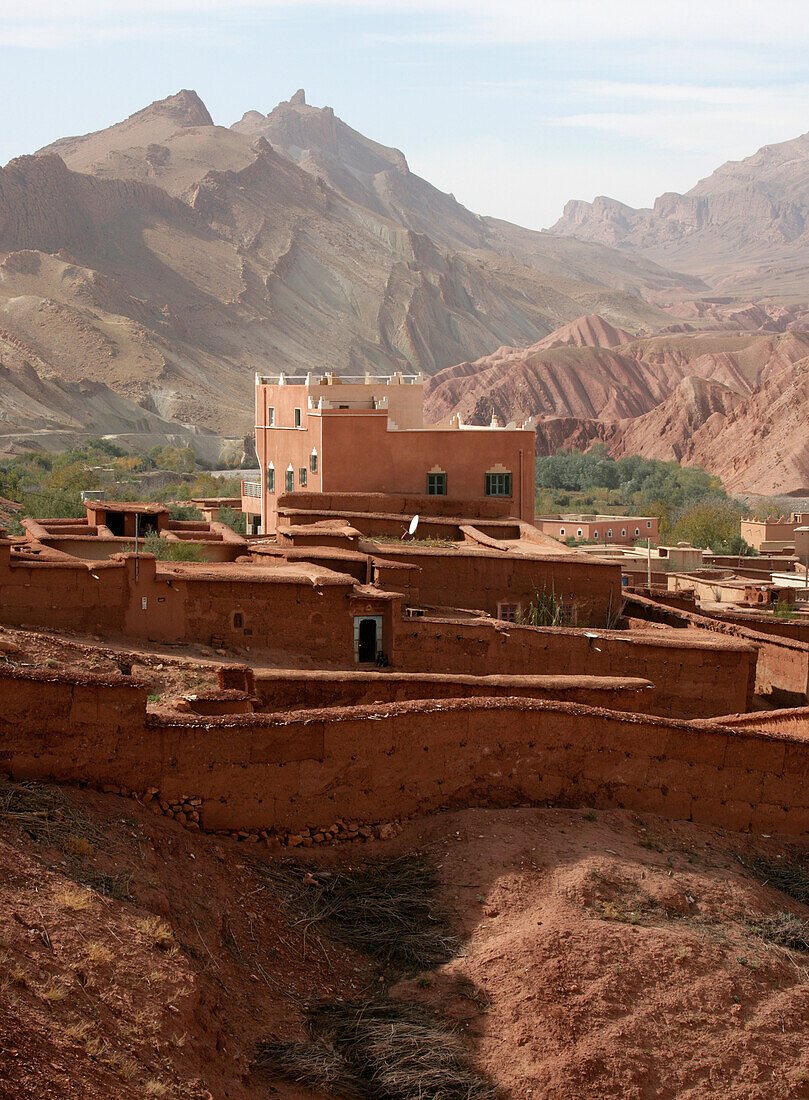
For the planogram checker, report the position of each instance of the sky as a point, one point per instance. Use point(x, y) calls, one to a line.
point(514, 106)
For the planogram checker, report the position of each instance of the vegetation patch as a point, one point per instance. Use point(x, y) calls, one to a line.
point(383, 1050)
point(391, 909)
point(691, 504)
point(784, 930)
point(790, 876)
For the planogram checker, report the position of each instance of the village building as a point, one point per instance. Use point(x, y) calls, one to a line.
point(774, 534)
point(325, 434)
point(115, 526)
point(617, 530)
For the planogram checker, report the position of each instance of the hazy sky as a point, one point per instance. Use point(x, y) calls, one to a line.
point(513, 105)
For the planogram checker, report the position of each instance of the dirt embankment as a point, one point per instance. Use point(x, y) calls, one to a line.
point(601, 954)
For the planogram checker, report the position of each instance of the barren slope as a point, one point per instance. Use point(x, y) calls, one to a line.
point(710, 399)
point(168, 258)
point(604, 953)
point(744, 229)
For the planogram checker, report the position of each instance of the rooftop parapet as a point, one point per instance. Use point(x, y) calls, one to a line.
point(329, 378)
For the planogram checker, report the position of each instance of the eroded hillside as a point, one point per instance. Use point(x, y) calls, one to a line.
point(710, 398)
point(157, 264)
point(605, 952)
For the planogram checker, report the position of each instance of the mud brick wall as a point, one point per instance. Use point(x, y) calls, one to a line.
point(479, 580)
point(309, 768)
point(284, 690)
point(66, 726)
point(693, 676)
point(782, 669)
point(793, 722)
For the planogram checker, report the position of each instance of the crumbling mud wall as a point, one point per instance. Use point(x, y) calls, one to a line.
point(782, 669)
point(309, 768)
point(280, 690)
point(694, 676)
point(220, 606)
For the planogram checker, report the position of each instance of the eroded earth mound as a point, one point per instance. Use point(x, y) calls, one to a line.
point(604, 953)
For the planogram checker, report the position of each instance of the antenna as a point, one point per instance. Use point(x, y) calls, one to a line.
point(411, 530)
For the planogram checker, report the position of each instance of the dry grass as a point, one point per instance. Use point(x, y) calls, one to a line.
point(153, 1087)
point(784, 930)
point(18, 976)
point(78, 1031)
point(72, 898)
point(389, 909)
point(79, 846)
point(54, 992)
point(158, 932)
point(382, 1050)
point(98, 954)
point(790, 876)
point(48, 814)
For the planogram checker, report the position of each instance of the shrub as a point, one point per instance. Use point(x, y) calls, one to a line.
point(382, 1049)
point(390, 909)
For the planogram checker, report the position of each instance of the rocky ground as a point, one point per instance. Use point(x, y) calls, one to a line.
point(599, 953)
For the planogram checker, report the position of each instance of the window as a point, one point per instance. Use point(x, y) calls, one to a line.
point(595, 534)
point(498, 485)
point(290, 480)
point(609, 533)
point(437, 485)
point(648, 523)
point(302, 475)
point(508, 612)
point(313, 462)
point(623, 532)
point(637, 530)
point(271, 417)
point(578, 532)
point(297, 418)
point(270, 478)
point(561, 530)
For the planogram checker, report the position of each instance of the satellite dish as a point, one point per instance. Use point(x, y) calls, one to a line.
point(411, 530)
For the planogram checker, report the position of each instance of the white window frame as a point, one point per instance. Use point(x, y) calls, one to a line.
point(270, 416)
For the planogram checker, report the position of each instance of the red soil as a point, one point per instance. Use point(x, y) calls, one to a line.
point(606, 955)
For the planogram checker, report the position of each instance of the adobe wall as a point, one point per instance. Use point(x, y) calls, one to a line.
point(782, 668)
point(310, 768)
point(693, 677)
point(401, 460)
point(182, 604)
point(283, 690)
point(328, 504)
point(479, 579)
point(792, 723)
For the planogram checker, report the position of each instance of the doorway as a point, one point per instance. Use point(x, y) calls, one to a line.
point(367, 638)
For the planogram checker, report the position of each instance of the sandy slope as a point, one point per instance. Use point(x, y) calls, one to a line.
point(604, 952)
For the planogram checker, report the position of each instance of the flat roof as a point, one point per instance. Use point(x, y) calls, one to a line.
point(139, 506)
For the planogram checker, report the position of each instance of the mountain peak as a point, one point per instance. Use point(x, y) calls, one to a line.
point(299, 99)
point(185, 108)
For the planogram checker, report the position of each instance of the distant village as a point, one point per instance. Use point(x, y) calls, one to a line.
point(399, 568)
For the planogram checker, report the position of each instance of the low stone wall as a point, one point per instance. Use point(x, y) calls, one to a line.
point(285, 690)
point(311, 768)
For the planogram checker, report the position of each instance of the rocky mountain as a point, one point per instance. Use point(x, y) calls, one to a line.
point(157, 264)
point(744, 229)
point(734, 403)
